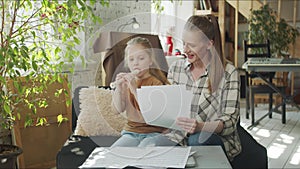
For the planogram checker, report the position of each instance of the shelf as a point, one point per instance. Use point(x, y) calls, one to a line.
point(206, 12)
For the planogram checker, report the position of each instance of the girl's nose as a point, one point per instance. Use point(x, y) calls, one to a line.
point(135, 62)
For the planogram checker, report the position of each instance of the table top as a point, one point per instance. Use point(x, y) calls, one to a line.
point(205, 156)
point(210, 157)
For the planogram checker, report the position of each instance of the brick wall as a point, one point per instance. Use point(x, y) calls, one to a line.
point(118, 12)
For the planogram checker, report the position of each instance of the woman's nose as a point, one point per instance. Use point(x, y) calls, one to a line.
point(185, 48)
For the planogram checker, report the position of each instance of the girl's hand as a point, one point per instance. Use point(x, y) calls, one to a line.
point(131, 82)
point(121, 82)
point(187, 124)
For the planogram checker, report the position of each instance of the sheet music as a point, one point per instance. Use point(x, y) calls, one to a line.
point(161, 105)
point(120, 157)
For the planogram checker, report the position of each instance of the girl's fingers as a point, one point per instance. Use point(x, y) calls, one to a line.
point(121, 74)
point(129, 77)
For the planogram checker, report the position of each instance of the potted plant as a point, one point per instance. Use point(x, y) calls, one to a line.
point(37, 38)
point(263, 25)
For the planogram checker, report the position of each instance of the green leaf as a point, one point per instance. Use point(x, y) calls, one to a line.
point(41, 122)
point(61, 119)
point(34, 65)
point(6, 108)
point(2, 79)
point(82, 5)
point(28, 121)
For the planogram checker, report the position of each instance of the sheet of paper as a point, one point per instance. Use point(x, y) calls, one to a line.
point(161, 105)
point(120, 157)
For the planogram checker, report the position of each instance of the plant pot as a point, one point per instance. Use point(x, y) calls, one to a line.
point(8, 155)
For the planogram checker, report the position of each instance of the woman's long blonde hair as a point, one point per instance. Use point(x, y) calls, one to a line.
point(154, 68)
point(208, 25)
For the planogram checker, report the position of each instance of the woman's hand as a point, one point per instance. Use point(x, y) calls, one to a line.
point(187, 124)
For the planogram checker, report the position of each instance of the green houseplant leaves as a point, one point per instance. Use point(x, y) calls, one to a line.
point(263, 25)
point(37, 38)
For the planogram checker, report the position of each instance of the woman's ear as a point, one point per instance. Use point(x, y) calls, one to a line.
point(151, 64)
point(210, 44)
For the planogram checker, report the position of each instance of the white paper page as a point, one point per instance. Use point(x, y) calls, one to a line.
point(161, 105)
point(175, 157)
point(169, 157)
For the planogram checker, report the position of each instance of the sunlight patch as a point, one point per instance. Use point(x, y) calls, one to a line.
point(285, 139)
point(275, 150)
point(263, 133)
point(296, 157)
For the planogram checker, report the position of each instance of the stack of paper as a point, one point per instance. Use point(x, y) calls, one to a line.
point(144, 157)
point(161, 105)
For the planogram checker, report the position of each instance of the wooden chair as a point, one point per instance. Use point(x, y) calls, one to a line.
point(252, 88)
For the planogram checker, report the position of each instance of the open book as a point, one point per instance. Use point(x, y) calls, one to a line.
point(161, 105)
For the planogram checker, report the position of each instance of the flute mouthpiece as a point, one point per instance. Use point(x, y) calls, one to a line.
point(112, 85)
point(135, 72)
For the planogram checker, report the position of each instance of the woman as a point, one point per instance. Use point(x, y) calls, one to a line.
point(215, 86)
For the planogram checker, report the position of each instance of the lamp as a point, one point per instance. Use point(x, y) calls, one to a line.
point(132, 21)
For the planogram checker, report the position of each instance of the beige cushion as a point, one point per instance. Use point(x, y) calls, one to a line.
point(96, 114)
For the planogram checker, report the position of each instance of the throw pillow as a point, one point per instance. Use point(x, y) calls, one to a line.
point(96, 114)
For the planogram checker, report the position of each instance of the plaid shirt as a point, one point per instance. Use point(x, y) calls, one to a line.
point(220, 105)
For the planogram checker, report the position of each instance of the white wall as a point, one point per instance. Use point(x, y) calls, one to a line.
point(119, 12)
point(175, 14)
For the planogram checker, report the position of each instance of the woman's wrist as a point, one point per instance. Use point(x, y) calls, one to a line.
point(199, 126)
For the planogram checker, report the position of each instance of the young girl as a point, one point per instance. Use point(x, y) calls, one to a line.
point(139, 58)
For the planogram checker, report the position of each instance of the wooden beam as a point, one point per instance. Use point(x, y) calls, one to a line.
point(279, 10)
point(265, 2)
point(236, 34)
point(294, 46)
point(221, 20)
point(295, 25)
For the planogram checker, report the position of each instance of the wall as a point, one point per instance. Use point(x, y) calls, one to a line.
point(118, 12)
point(175, 14)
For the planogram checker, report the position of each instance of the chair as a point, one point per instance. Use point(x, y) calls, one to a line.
point(259, 51)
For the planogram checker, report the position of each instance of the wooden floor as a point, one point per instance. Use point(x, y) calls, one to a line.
point(281, 140)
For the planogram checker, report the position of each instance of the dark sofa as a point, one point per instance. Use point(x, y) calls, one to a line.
point(253, 154)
